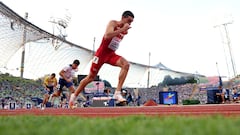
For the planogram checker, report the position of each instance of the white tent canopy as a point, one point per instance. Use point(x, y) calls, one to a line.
point(46, 53)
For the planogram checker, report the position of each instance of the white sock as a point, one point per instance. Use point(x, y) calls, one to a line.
point(50, 98)
point(117, 92)
point(72, 97)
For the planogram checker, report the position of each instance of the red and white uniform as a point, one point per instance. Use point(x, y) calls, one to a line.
point(106, 53)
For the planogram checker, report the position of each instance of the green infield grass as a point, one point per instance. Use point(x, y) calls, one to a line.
point(124, 125)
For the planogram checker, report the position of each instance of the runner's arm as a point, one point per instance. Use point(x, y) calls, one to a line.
point(110, 32)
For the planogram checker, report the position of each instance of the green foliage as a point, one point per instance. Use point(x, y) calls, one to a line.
point(127, 125)
point(18, 81)
point(190, 102)
point(107, 84)
point(168, 80)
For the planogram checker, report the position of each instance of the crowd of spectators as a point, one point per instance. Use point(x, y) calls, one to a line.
point(185, 91)
point(21, 93)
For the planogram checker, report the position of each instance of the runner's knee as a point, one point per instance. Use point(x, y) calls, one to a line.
point(58, 94)
point(126, 65)
point(91, 78)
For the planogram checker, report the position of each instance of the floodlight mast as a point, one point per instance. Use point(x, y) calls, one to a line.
point(229, 46)
point(223, 42)
point(94, 39)
point(148, 79)
point(60, 24)
point(23, 48)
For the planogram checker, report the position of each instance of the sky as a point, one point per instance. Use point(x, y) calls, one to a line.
point(184, 35)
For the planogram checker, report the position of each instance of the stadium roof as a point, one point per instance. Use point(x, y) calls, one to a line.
point(46, 53)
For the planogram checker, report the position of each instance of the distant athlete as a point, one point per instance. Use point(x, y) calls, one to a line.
point(115, 32)
point(66, 78)
point(50, 82)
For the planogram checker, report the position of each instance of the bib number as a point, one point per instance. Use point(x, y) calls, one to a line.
point(95, 60)
point(114, 44)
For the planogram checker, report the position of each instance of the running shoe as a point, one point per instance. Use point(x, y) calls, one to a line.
point(71, 101)
point(118, 96)
point(42, 106)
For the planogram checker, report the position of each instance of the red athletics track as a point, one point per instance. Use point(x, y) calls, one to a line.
point(160, 110)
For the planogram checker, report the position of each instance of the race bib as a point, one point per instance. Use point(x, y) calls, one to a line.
point(114, 44)
point(95, 60)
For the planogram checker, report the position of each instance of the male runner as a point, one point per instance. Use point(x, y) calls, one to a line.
point(66, 78)
point(50, 82)
point(115, 32)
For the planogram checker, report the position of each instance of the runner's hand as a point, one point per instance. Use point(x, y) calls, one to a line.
point(126, 26)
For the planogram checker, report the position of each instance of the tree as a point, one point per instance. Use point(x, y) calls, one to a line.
point(168, 80)
point(107, 84)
